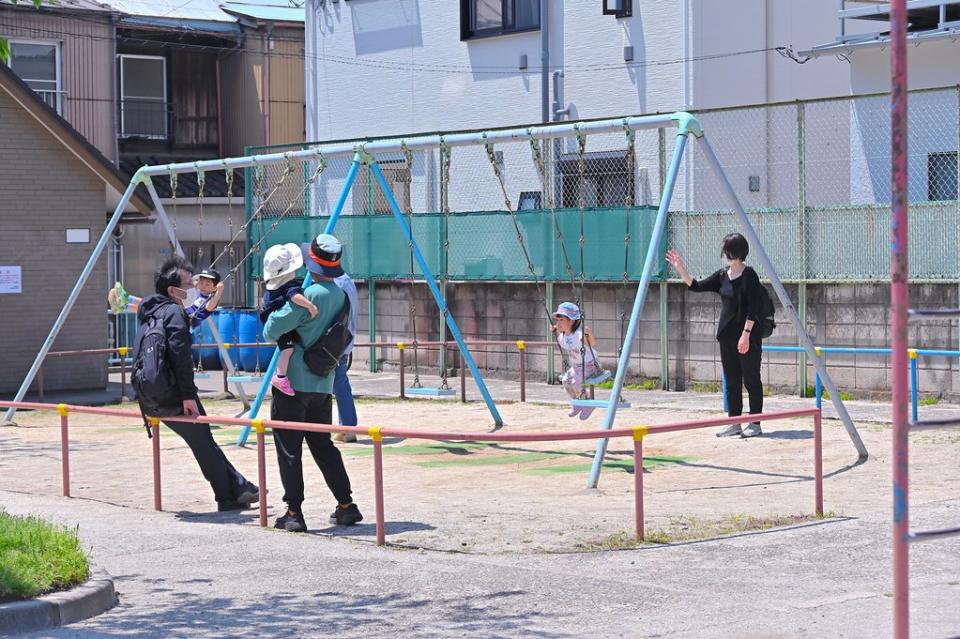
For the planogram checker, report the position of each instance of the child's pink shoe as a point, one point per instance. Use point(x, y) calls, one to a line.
point(282, 384)
point(574, 411)
point(586, 412)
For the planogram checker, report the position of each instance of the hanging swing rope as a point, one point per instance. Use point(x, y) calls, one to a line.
point(631, 149)
point(265, 234)
point(582, 201)
point(201, 185)
point(258, 212)
point(492, 156)
point(408, 157)
point(445, 157)
point(551, 204)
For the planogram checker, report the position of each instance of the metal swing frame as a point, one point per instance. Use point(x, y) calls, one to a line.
point(365, 153)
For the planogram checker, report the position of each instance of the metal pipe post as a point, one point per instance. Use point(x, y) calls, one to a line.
point(40, 382)
point(818, 463)
point(899, 305)
point(372, 321)
point(437, 296)
point(377, 438)
point(463, 381)
point(750, 233)
point(610, 412)
point(262, 472)
point(123, 377)
point(638, 435)
point(155, 441)
point(523, 369)
point(402, 365)
point(664, 335)
point(914, 385)
point(75, 293)
point(64, 448)
point(818, 391)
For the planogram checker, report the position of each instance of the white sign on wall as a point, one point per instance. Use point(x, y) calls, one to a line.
point(10, 281)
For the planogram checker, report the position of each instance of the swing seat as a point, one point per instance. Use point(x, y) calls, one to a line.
point(599, 378)
point(201, 375)
point(431, 392)
point(596, 403)
point(244, 379)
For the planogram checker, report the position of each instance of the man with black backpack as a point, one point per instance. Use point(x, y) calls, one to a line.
point(322, 342)
point(163, 379)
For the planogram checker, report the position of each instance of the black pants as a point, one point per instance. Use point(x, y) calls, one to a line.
point(742, 370)
point(313, 408)
point(226, 481)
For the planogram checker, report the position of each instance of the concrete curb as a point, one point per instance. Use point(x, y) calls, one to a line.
point(58, 609)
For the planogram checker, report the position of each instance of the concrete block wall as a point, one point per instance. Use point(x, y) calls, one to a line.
point(33, 223)
point(837, 315)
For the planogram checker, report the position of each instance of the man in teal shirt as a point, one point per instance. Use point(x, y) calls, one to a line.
point(311, 401)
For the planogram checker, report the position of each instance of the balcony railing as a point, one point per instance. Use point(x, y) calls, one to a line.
point(145, 118)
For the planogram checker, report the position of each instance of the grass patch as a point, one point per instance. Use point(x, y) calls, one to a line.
point(931, 400)
point(812, 392)
point(706, 387)
point(682, 529)
point(37, 557)
point(646, 384)
point(458, 448)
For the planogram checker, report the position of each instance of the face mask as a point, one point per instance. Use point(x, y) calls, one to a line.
point(191, 296)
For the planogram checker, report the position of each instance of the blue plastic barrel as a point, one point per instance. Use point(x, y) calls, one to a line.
point(208, 354)
point(227, 325)
point(251, 332)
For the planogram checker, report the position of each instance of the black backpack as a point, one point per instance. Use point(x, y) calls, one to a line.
point(767, 324)
point(152, 377)
point(324, 355)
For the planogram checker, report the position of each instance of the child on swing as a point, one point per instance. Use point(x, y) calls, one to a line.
point(571, 335)
point(280, 265)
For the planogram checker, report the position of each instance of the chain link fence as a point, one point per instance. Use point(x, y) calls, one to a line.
point(814, 177)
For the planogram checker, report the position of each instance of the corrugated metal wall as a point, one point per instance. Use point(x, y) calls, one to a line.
point(242, 76)
point(86, 54)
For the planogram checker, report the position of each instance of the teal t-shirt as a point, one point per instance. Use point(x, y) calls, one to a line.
point(329, 299)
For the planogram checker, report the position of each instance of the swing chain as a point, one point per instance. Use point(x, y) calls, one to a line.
point(201, 185)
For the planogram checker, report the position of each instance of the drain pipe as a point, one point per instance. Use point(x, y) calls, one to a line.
point(544, 62)
point(267, 41)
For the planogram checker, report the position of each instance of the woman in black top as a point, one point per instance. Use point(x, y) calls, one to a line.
point(740, 347)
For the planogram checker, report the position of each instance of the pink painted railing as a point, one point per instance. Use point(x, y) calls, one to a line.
point(637, 433)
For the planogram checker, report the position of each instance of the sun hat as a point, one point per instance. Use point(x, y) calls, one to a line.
point(280, 264)
point(568, 310)
point(322, 255)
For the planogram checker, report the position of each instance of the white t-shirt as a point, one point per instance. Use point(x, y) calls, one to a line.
point(570, 345)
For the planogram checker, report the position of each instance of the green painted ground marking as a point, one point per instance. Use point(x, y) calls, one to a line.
point(492, 460)
point(625, 466)
point(417, 449)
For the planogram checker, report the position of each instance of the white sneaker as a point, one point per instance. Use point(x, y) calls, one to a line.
point(733, 430)
point(752, 430)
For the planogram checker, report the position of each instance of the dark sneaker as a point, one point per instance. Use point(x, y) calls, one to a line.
point(291, 522)
point(752, 430)
point(731, 431)
point(248, 495)
point(225, 506)
point(346, 516)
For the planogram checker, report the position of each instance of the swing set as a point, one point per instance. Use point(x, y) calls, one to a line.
point(371, 153)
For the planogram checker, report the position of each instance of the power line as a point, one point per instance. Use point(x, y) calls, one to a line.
point(420, 67)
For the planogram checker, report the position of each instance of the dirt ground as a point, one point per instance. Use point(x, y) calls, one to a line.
point(525, 497)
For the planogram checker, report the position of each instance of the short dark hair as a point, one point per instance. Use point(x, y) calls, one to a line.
point(169, 274)
point(734, 247)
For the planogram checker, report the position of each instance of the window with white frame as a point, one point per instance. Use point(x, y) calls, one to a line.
point(143, 96)
point(482, 18)
point(38, 65)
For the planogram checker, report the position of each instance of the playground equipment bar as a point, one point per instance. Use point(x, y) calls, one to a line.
point(377, 434)
point(418, 142)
